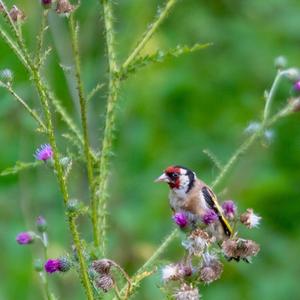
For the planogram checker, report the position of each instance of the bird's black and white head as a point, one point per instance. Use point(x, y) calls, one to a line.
point(179, 179)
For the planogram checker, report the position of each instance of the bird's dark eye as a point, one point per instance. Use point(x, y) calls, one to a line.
point(173, 175)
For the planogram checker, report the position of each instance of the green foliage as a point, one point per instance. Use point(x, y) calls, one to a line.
point(168, 114)
point(158, 57)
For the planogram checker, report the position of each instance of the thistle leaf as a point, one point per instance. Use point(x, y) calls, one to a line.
point(20, 166)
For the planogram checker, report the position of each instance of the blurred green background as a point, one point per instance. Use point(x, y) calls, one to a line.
point(168, 113)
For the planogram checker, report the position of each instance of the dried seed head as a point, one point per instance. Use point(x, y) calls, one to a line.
point(170, 272)
point(240, 248)
point(16, 14)
point(250, 219)
point(212, 268)
point(197, 242)
point(187, 292)
point(104, 282)
point(102, 266)
point(1, 8)
point(64, 7)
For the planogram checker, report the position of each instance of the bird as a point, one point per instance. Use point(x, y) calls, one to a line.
point(193, 196)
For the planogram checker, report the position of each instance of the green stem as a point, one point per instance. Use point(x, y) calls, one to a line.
point(99, 205)
point(149, 33)
point(62, 183)
point(83, 114)
point(270, 96)
point(30, 110)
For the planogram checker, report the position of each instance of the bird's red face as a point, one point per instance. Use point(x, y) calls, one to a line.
point(171, 176)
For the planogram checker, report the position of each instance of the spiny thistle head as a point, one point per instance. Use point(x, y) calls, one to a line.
point(44, 152)
point(57, 265)
point(64, 264)
point(25, 238)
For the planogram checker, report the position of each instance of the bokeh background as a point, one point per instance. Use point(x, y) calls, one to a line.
point(168, 113)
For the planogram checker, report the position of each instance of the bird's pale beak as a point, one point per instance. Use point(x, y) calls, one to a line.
point(162, 178)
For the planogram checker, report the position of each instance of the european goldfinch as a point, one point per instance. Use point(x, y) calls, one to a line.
point(191, 195)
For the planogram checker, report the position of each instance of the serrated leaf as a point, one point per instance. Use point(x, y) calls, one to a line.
point(158, 57)
point(18, 167)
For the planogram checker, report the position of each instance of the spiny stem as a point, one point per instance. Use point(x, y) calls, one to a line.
point(148, 34)
point(83, 113)
point(62, 183)
point(30, 110)
point(43, 95)
point(40, 39)
point(99, 205)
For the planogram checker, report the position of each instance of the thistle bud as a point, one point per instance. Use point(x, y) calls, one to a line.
point(280, 62)
point(41, 224)
point(38, 265)
point(292, 74)
point(16, 14)
point(102, 266)
point(7, 76)
point(73, 205)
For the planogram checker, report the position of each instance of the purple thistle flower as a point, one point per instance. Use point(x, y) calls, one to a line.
point(297, 86)
point(52, 265)
point(180, 219)
point(229, 209)
point(44, 152)
point(209, 217)
point(24, 238)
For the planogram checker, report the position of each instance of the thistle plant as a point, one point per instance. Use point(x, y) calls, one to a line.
point(98, 274)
